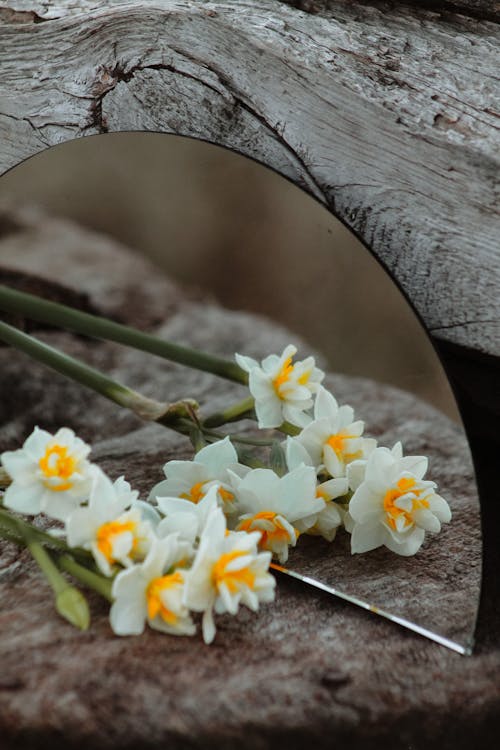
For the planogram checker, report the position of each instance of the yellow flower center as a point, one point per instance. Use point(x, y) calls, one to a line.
point(304, 378)
point(195, 493)
point(283, 376)
point(338, 444)
point(153, 596)
point(226, 495)
point(234, 579)
point(56, 463)
point(108, 531)
point(403, 485)
point(277, 534)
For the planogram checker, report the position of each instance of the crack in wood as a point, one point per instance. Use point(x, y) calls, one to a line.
point(119, 74)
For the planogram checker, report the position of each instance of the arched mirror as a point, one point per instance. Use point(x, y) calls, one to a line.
point(198, 245)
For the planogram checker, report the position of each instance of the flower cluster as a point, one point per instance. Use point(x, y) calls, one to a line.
point(162, 569)
point(204, 541)
point(335, 476)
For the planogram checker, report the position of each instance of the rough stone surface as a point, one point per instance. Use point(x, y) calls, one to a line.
point(308, 670)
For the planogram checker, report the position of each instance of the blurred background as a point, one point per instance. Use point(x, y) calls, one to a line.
point(223, 223)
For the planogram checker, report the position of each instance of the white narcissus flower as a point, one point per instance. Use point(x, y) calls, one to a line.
point(333, 438)
point(111, 526)
point(282, 390)
point(191, 480)
point(392, 504)
point(327, 521)
point(186, 518)
point(227, 571)
point(272, 505)
point(153, 592)
point(50, 474)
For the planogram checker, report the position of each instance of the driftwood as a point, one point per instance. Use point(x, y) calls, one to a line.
point(387, 117)
point(305, 670)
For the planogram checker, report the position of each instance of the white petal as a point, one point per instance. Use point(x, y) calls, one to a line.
point(122, 545)
point(346, 417)
point(185, 471)
point(366, 537)
point(129, 584)
point(440, 507)
point(334, 488)
point(365, 504)
point(261, 386)
point(262, 483)
point(326, 405)
point(208, 626)
point(409, 545)
point(416, 465)
point(246, 363)
point(58, 505)
point(103, 495)
point(217, 457)
point(296, 416)
point(269, 413)
point(19, 466)
point(425, 519)
point(333, 463)
point(168, 505)
point(397, 451)
point(127, 617)
point(378, 469)
point(296, 454)
point(23, 499)
point(81, 526)
point(185, 524)
point(147, 512)
point(356, 473)
point(229, 602)
point(36, 443)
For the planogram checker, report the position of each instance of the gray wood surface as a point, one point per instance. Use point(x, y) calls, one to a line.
point(388, 114)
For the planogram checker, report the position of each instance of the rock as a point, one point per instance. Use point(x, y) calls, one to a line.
point(308, 670)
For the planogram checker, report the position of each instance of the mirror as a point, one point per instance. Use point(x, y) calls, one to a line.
point(228, 231)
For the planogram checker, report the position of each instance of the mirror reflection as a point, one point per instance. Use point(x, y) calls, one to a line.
point(206, 248)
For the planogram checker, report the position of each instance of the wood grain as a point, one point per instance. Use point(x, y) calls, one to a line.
point(386, 115)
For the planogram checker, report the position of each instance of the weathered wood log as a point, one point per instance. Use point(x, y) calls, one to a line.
point(306, 670)
point(484, 9)
point(388, 118)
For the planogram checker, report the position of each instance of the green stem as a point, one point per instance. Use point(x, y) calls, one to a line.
point(36, 308)
point(18, 526)
point(73, 368)
point(238, 411)
point(256, 442)
point(289, 429)
point(31, 538)
point(94, 581)
point(4, 534)
point(70, 603)
point(46, 565)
